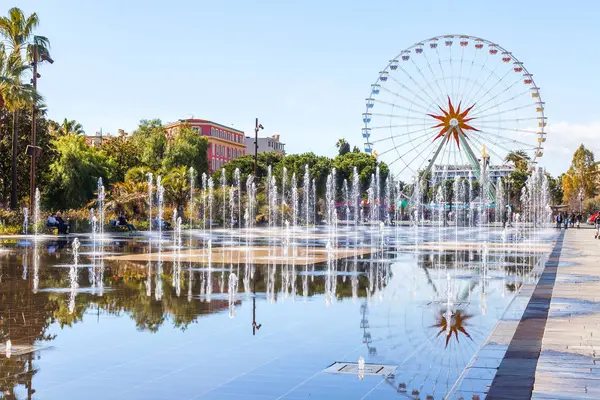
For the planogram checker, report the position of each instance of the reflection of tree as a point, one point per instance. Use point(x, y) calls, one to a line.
point(452, 322)
point(24, 319)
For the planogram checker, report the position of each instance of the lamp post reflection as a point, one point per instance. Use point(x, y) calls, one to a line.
point(255, 326)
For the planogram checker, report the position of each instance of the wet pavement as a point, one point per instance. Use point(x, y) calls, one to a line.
point(98, 325)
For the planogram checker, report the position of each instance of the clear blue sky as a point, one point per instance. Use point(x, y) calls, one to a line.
point(303, 67)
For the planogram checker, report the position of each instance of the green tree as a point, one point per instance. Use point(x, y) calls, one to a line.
point(73, 176)
point(366, 166)
point(130, 195)
point(343, 147)
point(177, 188)
point(187, 149)
point(581, 177)
point(151, 142)
point(519, 158)
point(555, 186)
point(23, 133)
point(122, 154)
point(66, 127)
point(516, 181)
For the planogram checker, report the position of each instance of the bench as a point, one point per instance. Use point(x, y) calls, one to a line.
point(165, 225)
point(115, 226)
point(52, 227)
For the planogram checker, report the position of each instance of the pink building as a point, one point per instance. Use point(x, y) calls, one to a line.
point(224, 143)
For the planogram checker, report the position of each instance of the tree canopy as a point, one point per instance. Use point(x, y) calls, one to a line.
point(581, 177)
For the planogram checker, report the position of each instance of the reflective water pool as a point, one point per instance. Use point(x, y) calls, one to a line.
point(254, 315)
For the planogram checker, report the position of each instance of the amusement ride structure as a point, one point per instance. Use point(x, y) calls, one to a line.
point(442, 99)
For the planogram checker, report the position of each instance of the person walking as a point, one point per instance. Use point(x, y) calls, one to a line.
point(597, 225)
point(566, 221)
point(572, 219)
point(559, 220)
point(579, 218)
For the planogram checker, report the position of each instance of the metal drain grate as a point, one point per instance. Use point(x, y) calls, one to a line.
point(352, 368)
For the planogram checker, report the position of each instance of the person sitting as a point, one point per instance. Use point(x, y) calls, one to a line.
point(163, 225)
point(63, 227)
point(122, 221)
point(52, 222)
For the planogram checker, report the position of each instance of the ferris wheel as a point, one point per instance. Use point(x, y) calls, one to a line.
point(453, 100)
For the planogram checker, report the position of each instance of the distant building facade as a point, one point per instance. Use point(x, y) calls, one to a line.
point(270, 144)
point(224, 143)
point(451, 172)
point(99, 138)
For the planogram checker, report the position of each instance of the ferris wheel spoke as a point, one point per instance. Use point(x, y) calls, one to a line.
point(473, 83)
point(429, 151)
point(483, 122)
point(491, 73)
point(433, 75)
point(397, 116)
point(393, 105)
point(506, 148)
point(501, 93)
point(411, 92)
point(507, 140)
point(403, 98)
point(476, 96)
point(510, 130)
point(425, 79)
point(462, 57)
point(441, 70)
point(451, 71)
point(407, 165)
point(395, 126)
point(476, 52)
point(497, 84)
point(405, 143)
point(417, 83)
point(479, 141)
point(399, 135)
point(479, 113)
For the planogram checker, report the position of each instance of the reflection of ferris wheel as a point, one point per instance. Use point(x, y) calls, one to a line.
point(441, 101)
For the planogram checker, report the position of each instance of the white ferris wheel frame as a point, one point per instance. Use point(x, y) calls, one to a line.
point(464, 40)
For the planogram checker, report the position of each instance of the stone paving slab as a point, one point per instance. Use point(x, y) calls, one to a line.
point(569, 363)
point(552, 345)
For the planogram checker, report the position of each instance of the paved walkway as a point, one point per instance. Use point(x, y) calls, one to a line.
point(569, 366)
point(545, 345)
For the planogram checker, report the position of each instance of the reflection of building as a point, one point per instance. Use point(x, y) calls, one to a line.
point(224, 143)
point(266, 145)
point(99, 138)
point(450, 172)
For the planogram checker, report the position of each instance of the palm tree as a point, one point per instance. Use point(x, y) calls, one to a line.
point(519, 158)
point(343, 147)
point(66, 127)
point(18, 33)
point(14, 95)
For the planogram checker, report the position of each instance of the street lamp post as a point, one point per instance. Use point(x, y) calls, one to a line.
point(33, 150)
point(257, 127)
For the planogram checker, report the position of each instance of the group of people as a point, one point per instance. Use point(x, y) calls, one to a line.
point(566, 219)
point(55, 221)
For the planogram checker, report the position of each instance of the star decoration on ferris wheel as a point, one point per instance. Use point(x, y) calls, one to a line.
point(453, 121)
